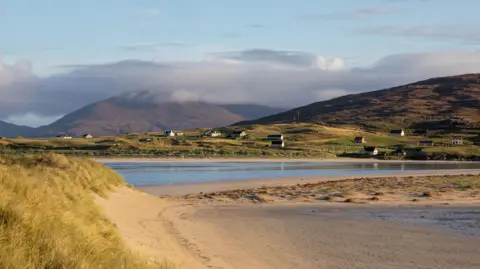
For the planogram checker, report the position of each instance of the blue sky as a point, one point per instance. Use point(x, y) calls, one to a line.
point(54, 32)
point(57, 56)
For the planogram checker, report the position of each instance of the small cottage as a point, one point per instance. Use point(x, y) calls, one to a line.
point(457, 140)
point(426, 143)
point(87, 136)
point(277, 144)
point(397, 133)
point(275, 137)
point(370, 150)
point(169, 133)
point(237, 134)
point(359, 140)
point(213, 134)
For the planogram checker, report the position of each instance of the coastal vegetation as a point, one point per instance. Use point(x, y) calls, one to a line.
point(49, 219)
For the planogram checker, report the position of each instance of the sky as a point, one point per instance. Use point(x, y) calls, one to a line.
point(57, 56)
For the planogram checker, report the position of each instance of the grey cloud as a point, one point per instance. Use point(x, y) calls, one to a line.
point(447, 32)
point(217, 80)
point(281, 58)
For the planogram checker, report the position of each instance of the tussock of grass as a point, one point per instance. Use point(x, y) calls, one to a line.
point(48, 218)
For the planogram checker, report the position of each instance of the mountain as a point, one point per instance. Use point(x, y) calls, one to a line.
point(12, 130)
point(433, 103)
point(146, 112)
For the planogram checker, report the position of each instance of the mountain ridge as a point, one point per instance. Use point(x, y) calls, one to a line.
point(434, 102)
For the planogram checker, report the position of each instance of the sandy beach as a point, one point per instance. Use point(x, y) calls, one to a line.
point(415, 221)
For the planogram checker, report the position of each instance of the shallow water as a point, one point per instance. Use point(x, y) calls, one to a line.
point(460, 219)
point(167, 173)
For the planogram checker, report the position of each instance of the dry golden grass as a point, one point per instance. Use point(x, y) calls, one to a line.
point(48, 218)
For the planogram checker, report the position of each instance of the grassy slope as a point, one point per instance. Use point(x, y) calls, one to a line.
point(48, 218)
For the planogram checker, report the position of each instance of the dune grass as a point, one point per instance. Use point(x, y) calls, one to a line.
point(48, 217)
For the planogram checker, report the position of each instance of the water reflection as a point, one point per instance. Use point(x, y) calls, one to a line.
point(160, 173)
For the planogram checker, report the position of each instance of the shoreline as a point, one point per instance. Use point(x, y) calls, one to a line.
point(217, 186)
point(263, 160)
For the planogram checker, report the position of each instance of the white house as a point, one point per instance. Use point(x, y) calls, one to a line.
point(278, 144)
point(397, 133)
point(370, 150)
point(214, 134)
point(87, 136)
point(169, 133)
point(456, 140)
point(236, 134)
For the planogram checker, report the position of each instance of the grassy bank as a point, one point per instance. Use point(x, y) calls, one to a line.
point(48, 217)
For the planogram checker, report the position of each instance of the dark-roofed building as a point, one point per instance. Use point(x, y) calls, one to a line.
point(277, 144)
point(236, 134)
point(399, 132)
point(370, 150)
point(275, 137)
point(359, 140)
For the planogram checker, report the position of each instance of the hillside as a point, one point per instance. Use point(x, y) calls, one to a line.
point(434, 103)
point(144, 112)
point(12, 130)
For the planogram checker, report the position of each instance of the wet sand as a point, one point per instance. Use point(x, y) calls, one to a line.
point(313, 236)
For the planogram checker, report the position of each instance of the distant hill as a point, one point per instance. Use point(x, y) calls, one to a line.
point(433, 103)
point(12, 130)
point(146, 112)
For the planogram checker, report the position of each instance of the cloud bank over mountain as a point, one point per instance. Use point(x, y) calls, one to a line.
point(262, 76)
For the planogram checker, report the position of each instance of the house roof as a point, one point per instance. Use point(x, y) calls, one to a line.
point(277, 142)
point(359, 138)
point(274, 135)
point(369, 148)
point(237, 132)
point(396, 131)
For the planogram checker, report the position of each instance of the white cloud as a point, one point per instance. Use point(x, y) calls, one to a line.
point(259, 76)
point(32, 120)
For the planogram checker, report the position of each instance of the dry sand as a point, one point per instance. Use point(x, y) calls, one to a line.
point(198, 232)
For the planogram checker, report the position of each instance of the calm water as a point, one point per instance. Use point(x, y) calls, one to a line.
point(163, 173)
